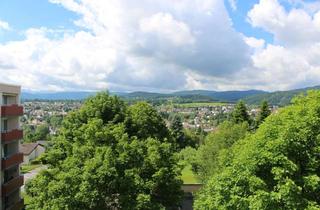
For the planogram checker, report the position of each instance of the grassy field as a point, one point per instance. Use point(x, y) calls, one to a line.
point(199, 104)
point(188, 177)
point(27, 168)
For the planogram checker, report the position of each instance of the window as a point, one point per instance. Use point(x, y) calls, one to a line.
point(5, 100)
point(5, 126)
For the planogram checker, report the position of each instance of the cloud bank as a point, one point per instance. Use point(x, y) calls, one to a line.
point(165, 45)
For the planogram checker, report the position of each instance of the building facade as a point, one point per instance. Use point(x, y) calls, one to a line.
point(11, 134)
point(31, 151)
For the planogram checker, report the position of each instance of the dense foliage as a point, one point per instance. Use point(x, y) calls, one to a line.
point(181, 137)
point(42, 132)
point(33, 134)
point(108, 156)
point(217, 143)
point(278, 167)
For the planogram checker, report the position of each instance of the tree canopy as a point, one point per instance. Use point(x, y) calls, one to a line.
point(278, 167)
point(206, 161)
point(108, 155)
point(144, 121)
point(40, 132)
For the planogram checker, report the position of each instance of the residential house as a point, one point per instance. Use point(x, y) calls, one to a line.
point(31, 151)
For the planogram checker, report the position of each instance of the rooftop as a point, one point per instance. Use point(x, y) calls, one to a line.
point(27, 148)
point(9, 88)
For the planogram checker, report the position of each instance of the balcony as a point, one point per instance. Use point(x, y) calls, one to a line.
point(11, 110)
point(12, 160)
point(8, 136)
point(16, 206)
point(12, 185)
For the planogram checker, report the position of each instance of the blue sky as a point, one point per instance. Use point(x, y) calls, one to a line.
point(239, 19)
point(160, 45)
point(26, 14)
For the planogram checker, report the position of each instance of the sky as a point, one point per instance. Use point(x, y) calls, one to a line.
point(159, 45)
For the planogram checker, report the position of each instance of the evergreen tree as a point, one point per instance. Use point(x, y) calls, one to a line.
point(177, 133)
point(264, 112)
point(240, 113)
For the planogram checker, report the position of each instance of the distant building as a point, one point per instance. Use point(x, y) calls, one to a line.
point(10, 177)
point(31, 151)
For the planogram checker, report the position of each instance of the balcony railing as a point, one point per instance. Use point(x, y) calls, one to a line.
point(11, 160)
point(11, 110)
point(12, 185)
point(16, 206)
point(8, 136)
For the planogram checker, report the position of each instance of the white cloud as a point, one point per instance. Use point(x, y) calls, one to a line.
point(233, 4)
point(167, 45)
point(4, 25)
point(296, 27)
point(256, 44)
point(165, 26)
point(308, 6)
point(75, 61)
point(131, 45)
point(291, 61)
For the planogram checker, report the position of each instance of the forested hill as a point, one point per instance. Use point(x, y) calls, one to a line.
point(229, 96)
point(182, 96)
point(279, 98)
point(192, 96)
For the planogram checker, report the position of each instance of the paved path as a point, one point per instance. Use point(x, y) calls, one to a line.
point(189, 190)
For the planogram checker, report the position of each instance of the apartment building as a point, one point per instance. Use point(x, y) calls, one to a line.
point(11, 134)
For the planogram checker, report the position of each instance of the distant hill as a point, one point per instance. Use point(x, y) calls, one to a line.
point(194, 95)
point(145, 95)
point(181, 96)
point(56, 96)
point(228, 96)
point(279, 98)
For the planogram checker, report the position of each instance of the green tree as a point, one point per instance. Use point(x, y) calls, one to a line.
point(101, 161)
point(240, 113)
point(144, 121)
point(33, 134)
point(28, 133)
point(264, 112)
point(55, 121)
point(191, 138)
point(177, 133)
point(278, 167)
point(41, 132)
point(216, 143)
